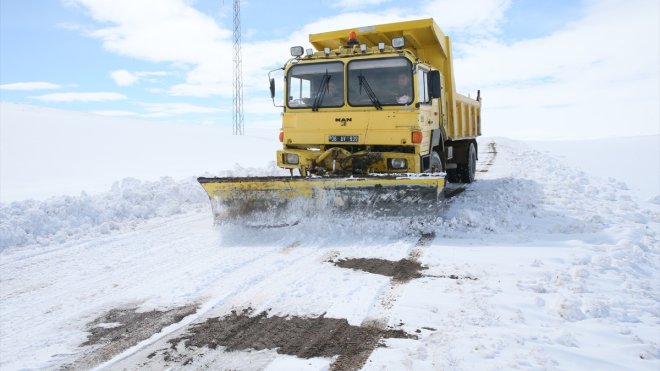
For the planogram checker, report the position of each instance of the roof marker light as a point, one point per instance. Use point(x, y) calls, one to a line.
point(363, 48)
point(326, 51)
point(381, 46)
point(296, 51)
point(352, 38)
point(309, 52)
point(398, 42)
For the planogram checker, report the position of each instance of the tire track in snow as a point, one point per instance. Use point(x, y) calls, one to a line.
point(291, 265)
point(379, 314)
point(385, 302)
point(492, 154)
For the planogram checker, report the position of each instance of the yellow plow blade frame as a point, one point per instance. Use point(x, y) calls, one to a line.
point(233, 198)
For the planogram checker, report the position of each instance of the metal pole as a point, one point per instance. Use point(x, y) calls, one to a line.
point(237, 119)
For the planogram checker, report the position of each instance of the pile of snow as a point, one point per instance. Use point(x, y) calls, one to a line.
point(544, 196)
point(634, 161)
point(128, 202)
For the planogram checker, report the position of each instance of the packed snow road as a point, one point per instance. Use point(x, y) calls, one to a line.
point(535, 265)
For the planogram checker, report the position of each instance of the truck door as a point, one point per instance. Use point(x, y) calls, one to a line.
point(428, 108)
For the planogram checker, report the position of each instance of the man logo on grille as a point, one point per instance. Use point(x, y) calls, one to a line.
point(343, 120)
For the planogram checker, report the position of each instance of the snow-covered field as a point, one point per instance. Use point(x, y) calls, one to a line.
point(543, 263)
point(47, 152)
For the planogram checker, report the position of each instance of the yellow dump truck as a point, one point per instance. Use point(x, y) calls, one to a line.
point(370, 118)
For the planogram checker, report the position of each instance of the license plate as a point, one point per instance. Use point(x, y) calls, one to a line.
point(344, 138)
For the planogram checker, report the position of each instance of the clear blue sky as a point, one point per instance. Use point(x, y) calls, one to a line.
point(170, 60)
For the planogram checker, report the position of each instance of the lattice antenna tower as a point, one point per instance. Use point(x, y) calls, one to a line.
point(237, 118)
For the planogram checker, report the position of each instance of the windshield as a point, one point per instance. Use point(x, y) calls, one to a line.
point(389, 79)
point(316, 85)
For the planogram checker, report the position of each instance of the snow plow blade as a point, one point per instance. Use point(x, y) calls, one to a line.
point(285, 200)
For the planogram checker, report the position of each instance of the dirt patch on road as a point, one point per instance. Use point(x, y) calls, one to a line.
point(120, 329)
point(298, 336)
point(402, 271)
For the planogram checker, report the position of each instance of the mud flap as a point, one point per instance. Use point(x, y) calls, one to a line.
point(285, 200)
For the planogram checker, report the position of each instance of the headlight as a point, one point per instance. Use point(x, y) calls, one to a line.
point(398, 163)
point(291, 158)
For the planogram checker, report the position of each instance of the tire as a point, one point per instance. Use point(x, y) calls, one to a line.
point(452, 176)
point(467, 171)
point(435, 163)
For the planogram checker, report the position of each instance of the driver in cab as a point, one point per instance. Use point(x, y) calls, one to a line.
point(334, 96)
point(403, 94)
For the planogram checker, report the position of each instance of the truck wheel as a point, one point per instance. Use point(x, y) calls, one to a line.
point(435, 165)
point(452, 176)
point(467, 171)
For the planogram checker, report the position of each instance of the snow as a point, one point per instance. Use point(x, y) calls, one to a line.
point(634, 161)
point(564, 255)
point(47, 152)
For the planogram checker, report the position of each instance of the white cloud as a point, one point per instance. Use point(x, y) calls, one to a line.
point(261, 105)
point(352, 4)
point(200, 89)
point(474, 16)
point(171, 109)
point(114, 113)
point(70, 26)
point(596, 77)
point(156, 30)
point(167, 31)
point(151, 73)
point(80, 97)
point(123, 78)
point(36, 85)
point(575, 52)
point(126, 78)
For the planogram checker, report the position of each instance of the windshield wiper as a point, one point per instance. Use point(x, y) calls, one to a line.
point(370, 92)
point(320, 92)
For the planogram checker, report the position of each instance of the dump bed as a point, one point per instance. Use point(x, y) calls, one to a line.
point(424, 39)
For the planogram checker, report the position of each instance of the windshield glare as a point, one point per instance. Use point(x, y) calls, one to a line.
point(316, 85)
point(390, 80)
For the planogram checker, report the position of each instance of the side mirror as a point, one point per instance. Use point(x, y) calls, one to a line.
point(271, 83)
point(435, 88)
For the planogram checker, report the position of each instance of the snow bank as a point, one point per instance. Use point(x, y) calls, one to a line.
point(545, 196)
point(60, 218)
point(634, 161)
point(128, 201)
